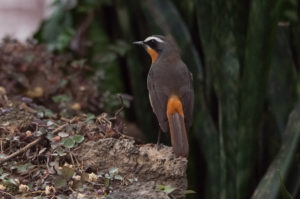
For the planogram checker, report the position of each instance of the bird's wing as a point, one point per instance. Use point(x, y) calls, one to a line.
point(158, 101)
point(187, 98)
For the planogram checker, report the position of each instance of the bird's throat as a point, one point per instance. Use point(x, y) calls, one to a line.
point(153, 53)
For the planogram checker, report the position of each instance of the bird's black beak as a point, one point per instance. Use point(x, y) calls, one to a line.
point(139, 43)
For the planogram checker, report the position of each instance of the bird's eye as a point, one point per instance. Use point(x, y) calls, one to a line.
point(152, 41)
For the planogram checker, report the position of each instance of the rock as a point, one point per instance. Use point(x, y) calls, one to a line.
point(151, 167)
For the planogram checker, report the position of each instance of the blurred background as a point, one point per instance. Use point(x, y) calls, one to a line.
point(245, 60)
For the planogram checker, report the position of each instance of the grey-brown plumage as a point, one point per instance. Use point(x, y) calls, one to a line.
point(169, 76)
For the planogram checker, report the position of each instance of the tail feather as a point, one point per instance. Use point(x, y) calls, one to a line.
point(178, 133)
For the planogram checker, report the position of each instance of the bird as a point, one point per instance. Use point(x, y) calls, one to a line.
point(171, 92)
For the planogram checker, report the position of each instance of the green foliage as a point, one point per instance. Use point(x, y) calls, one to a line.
point(61, 98)
point(72, 140)
point(284, 193)
point(69, 143)
point(167, 189)
point(244, 56)
point(58, 31)
point(78, 138)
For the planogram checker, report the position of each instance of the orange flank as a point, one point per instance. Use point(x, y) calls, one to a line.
point(174, 106)
point(178, 133)
point(152, 53)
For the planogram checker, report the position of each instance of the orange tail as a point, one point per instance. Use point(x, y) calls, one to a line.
point(178, 133)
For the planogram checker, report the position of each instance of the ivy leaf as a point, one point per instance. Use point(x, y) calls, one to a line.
point(69, 143)
point(78, 138)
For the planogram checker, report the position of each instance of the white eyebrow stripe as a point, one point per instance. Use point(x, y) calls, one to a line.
point(153, 37)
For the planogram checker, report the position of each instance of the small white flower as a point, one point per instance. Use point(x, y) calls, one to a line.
point(23, 188)
point(81, 196)
point(49, 190)
point(2, 187)
point(77, 177)
point(28, 133)
point(92, 177)
point(17, 181)
point(68, 165)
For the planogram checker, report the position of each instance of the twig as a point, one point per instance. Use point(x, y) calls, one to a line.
point(1, 146)
point(21, 150)
point(34, 192)
point(6, 193)
point(64, 125)
point(117, 113)
point(60, 128)
point(78, 40)
point(71, 158)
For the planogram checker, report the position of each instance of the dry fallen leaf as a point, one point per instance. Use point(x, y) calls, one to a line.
point(56, 138)
point(35, 93)
point(76, 106)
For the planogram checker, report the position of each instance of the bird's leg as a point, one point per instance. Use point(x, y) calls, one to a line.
point(158, 139)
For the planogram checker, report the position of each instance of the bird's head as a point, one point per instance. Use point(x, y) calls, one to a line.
point(154, 45)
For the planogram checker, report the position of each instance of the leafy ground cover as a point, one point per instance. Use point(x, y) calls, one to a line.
point(42, 124)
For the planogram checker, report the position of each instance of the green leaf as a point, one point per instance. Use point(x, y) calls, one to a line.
point(69, 143)
point(90, 117)
point(22, 168)
point(48, 113)
point(63, 83)
point(262, 24)
point(107, 182)
point(160, 187)
point(269, 186)
point(61, 98)
point(13, 181)
point(49, 136)
point(78, 138)
point(1, 171)
point(84, 176)
point(223, 73)
point(188, 192)
point(113, 171)
point(167, 189)
point(60, 181)
point(3, 176)
point(10, 187)
point(67, 172)
point(61, 152)
point(284, 193)
point(118, 177)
